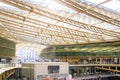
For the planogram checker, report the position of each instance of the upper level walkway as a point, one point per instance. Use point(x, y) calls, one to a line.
point(95, 77)
point(107, 65)
point(111, 68)
point(7, 70)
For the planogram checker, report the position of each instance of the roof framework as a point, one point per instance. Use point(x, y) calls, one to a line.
point(76, 23)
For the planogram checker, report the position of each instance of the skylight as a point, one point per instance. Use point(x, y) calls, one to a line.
point(96, 1)
point(110, 4)
point(60, 22)
point(114, 4)
point(51, 4)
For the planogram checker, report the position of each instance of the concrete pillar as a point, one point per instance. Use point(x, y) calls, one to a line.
point(119, 60)
point(115, 60)
point(100, 60)
point(96, 60)
point(85, 61)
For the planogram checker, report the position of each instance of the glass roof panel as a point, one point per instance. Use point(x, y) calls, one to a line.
point(114, 4)
point(51, 21)
point(51, 4)
point(96, 1)
point(118, 10)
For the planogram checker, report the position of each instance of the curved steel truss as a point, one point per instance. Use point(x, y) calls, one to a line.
point(25, 21)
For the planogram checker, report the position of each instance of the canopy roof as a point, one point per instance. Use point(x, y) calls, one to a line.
point(60, 22)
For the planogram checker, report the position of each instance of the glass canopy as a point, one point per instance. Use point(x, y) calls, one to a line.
point(60, 22)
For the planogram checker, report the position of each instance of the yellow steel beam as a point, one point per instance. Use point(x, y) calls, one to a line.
point(27, 6)
point(39, 39)
point(43, 30)
point(80, 7)
point(6, 74)
point(39, 32)
point(108, 69)
point(51, 26)
point(9, 73)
